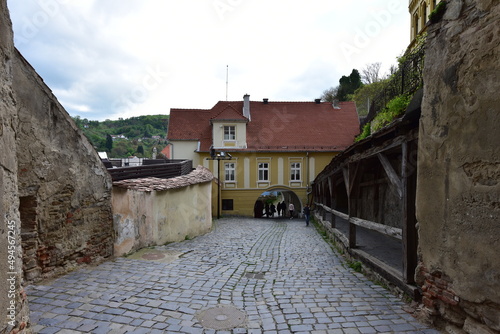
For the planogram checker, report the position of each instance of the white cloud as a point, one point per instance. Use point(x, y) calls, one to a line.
point(120, 58)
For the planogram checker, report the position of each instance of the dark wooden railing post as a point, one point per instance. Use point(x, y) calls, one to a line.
point(410, 234)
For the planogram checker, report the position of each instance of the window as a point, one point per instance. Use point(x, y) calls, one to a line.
point(263, 171)
point(295, 171)
point(415, 24)
point(229, 132)
point(229, 171)
point(227, 204)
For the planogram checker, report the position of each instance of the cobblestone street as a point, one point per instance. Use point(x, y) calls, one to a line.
point(246, 276)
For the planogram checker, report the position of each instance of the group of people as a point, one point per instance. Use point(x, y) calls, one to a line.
point(281, 210)
point(271, 209)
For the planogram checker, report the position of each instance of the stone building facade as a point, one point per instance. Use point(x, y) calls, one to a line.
point(458, 186)
point(55, 192)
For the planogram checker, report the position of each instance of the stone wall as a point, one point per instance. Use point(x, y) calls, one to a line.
point(14, 310)
point(151, 211)
point(55, 194)
point(458, 192)
point(64, 189)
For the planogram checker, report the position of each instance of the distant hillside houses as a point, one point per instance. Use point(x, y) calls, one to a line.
point(115, 137)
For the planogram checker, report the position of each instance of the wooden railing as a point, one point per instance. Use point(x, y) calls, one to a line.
point(384, 229)
point(172, 168)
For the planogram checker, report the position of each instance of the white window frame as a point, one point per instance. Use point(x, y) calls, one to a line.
point(230, 170)
point(293, 171)
point(265, 170)
point(230, 131)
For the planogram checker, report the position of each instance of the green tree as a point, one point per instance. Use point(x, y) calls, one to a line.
point(148, 131)
point(109, 143)
point(348, 85)
point(140, 149)
point(364, 96)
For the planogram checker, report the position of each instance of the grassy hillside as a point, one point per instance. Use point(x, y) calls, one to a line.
point(140, 135)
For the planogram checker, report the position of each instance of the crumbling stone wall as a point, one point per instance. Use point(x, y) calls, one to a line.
point(458, 192)
point(64, 189)
point(55, 194)
point(14, 310)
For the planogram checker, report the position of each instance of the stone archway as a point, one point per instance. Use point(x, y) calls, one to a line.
point(274, 197)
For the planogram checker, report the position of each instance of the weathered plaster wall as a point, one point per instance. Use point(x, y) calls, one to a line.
point(149, 212)
point(458, 192)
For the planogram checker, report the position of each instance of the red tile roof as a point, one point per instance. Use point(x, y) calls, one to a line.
point(229, 113)
point(274, 126)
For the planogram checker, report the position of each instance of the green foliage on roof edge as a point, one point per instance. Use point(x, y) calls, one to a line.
point(394, 109)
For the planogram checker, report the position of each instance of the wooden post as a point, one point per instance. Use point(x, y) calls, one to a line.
point(350, 204)
point(391, 174)
point(410, 235)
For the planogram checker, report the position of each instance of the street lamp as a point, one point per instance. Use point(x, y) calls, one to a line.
point(218, 156)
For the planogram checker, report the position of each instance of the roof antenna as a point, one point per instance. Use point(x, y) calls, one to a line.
point(227, 80)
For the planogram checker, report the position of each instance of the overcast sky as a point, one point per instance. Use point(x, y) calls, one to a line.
point(120, 58)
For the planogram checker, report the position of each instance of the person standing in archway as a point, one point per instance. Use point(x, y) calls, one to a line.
point(291, 208)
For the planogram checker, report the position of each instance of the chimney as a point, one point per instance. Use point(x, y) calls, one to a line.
point(318, 101)
point(246, 106)
point(266, 101)
point(335, 104)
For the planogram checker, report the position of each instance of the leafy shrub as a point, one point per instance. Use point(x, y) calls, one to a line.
point(365, 133)
point(393, 109)
point(438, 12)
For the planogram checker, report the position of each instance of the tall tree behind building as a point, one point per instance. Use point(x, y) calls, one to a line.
point(348, 85)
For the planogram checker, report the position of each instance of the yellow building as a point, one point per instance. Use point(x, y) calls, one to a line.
point(419, 11)
point(262, 150)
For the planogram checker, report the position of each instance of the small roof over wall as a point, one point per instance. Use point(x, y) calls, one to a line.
point(197, 176)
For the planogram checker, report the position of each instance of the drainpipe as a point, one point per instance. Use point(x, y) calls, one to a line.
point(307, 178)
point(172, 151)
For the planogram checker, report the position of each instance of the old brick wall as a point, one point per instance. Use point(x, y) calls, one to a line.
point(458, 192)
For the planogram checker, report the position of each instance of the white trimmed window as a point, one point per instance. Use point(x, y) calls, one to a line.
point(230, 169)
point(229, 132)
point(295, 169)
point(263, 171)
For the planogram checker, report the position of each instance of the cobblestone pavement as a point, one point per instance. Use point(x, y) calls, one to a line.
point(247, 276)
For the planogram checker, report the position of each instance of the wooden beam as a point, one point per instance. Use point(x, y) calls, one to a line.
point(330, 186)
point(384, 229)
point(352, 178)
point(333, 211)
point(350, 209)
point(386, 146)
point(410, 233)
point(345, 172)
point(391, 173)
